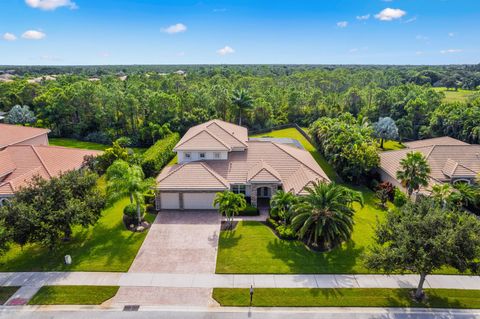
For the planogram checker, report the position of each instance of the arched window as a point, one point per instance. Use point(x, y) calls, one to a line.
point(462, 181)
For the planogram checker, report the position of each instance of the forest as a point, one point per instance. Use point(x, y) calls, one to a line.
point(145, 103)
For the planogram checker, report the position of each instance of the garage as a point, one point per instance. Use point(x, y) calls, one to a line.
point(198, 200)
point(170, 200)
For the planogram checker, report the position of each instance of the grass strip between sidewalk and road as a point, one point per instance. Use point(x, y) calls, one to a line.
point(6, 292)
point(73, 295)
point(346, 297)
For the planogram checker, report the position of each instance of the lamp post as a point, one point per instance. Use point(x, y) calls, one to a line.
point(251, 294)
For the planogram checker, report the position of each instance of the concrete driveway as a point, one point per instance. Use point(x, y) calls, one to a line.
point(180, 242)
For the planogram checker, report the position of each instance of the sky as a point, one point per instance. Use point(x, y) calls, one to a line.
point(72, 32)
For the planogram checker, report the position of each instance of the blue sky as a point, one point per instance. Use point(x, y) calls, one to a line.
point(243, 31)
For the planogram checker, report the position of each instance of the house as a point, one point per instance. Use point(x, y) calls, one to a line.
point(25, 153)
point(216, 156)
point(450, 160)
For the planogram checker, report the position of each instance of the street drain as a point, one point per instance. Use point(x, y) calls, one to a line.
point(131, 307)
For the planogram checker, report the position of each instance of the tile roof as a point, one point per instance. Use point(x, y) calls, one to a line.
point(213, 135)
point(444, 140)
point(446, 161)
point(43, 160)
point(262, 159)
point(14, 134)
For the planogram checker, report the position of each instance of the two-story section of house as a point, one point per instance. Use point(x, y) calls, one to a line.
point(216, 156)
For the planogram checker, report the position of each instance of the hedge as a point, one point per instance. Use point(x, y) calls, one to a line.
point(159, 154)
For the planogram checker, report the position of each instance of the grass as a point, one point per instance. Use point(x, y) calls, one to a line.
point(346, 297)
point(106, 246)
point(6, 292)
point(73, 295)
point(295, 134)
point(70, 142)
point(456, 96)
point(392, 146)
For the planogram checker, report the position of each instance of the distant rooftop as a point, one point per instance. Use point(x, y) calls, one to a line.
point(280, 140)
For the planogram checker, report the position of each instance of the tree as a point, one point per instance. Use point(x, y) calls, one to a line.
point(242, 101)
point(20, 115)
point(324, 217)
point(281, 205)
point(229, 204)
point(124, 179)
point(4, 239)
point(414, 172)
point(385, 129)
point(442, 193)
point(46, 211)
point(423, 237)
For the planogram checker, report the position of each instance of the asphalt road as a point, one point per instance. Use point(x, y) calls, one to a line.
point(243, 313)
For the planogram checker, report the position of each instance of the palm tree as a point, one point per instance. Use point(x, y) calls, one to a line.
point(324, 217)
point(229, 204)
point(123, 180)
point(281, 205)
point(441, 193)
point(242, 101)
point(414, 172)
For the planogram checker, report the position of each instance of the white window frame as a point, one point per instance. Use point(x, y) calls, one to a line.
point(216, 155)
point(188, 155)
point(202, 155)
point(239, 189)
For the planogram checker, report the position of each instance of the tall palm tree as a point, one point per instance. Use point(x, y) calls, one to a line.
point(123, 180)
point(229, 204)
point(242, 101)
point(414, 172)
point(324, 217)
point(281, 205)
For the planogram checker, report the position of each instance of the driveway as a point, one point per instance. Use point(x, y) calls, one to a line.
point(180, 242)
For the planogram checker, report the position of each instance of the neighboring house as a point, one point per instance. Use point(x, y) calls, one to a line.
point(450, 160)
point(25, 153)
point(216, 156)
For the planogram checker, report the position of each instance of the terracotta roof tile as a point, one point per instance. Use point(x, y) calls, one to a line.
point(14, 134)
point(444, 140)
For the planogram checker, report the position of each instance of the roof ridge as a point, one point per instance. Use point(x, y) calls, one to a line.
point(215, 174)
point(173, 171)
point(41, 161)
point(208, 132)
point(467, 168)
point(45, 131)
point(215, 122)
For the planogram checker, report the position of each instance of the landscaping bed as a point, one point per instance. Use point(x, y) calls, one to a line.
point(346, 297)
point(73, 295)
point(6, 292)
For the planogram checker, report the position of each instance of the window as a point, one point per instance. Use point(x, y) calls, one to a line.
point(187, 155)
point(216, 155)
point(238, 189)
point(202, 155)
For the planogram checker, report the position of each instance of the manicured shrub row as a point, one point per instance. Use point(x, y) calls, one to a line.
point(159, 154)
point(250, 211)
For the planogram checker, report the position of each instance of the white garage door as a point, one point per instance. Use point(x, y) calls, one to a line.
point(198, 200)
point(170, 200)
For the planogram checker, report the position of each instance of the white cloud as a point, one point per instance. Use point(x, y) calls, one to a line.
point(390, 14)
point(451, 34)
point(411, 20)
point(51, 4)
point(450, 51)
point(104, 54)
point(9, 36)
point(47, 57)
point(33, 35)
point(364, 17)
point(175, 28)
point(226, 50)
point(421, 37)
point(353, 50)
point(342, 24)
point(181, 53)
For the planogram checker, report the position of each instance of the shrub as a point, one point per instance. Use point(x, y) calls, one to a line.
point(159, 154)
point(388, 188)
point(400, 198)
point(130, 214)
point(286, 232)
point(249, 211)
point(272, 223)
point(98, 137)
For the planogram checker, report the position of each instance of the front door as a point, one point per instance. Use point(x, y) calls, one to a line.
point(263, 192)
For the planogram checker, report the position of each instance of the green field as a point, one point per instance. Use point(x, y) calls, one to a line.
point(70, 142)
point(372, 297)
point(392, 146)
point(456, 96)
point(106, 246)
point(73, 295)
point(6, 292)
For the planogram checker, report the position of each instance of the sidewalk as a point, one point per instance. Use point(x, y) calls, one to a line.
point(38, 279)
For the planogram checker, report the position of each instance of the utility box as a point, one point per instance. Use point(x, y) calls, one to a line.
point(68, 260)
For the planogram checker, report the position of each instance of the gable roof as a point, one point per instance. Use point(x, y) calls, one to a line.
point(207, 135)
point(30, 160)
point(15, 134)
point(444, 140)
point(192, 175)
point(446, 161)
point(263, 172)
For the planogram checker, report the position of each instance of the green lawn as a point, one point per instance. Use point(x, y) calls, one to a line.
point(456, 96)
point(392, 146)
point(6, 292)
point(73, 295)
point(106, 246)
point(70, 142)
point(317, 297)
point(295, 134)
